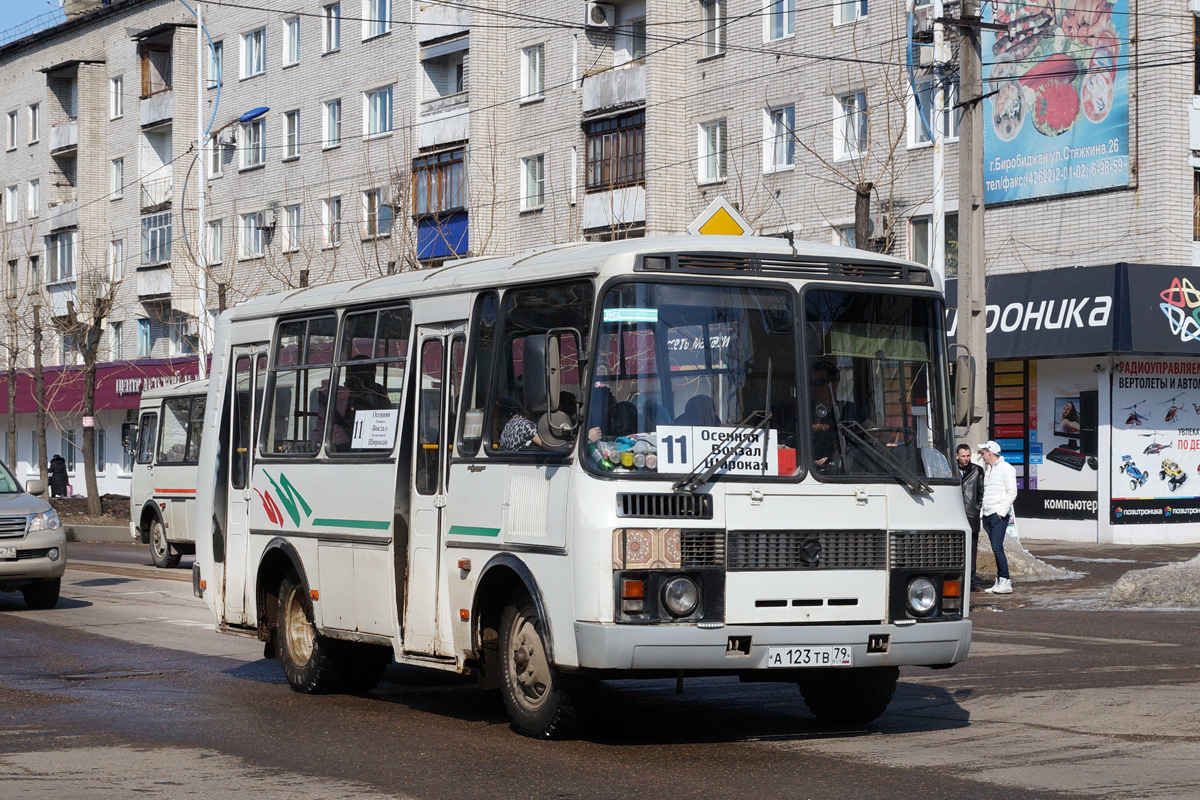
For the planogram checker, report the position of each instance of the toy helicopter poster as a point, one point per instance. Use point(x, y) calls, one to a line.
point(1156, 441)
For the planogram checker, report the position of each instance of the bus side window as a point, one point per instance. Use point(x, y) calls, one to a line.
point(479, 372)
point(195, 428)
point(300, 391)
point(172, 448)
point(365, 412)
point(147, 433)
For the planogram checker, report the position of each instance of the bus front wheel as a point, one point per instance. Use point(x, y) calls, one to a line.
point(161, 552)
point(535, 693)
point(307, 657)
point(848, 696)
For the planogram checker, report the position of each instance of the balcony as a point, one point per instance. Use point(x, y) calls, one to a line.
point(156, 193)
point(64, 215)
point(158, 108)
point(624, 206)
point(59, 295)
point(445, 119)
point(615, 88)
point(154, 282)
point(436, 21)
point(64, 137)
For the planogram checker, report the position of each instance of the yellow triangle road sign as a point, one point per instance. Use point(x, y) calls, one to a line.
point(721, 219)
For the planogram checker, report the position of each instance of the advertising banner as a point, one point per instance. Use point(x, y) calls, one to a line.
point(1155, 441)
point(1057, 88)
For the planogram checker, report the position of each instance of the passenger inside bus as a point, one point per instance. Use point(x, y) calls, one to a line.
point(700, 411)
point(359, 393)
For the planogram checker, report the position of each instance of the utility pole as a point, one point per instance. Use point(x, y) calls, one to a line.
point(202, 332)
point(941, 54)
point(972, 301)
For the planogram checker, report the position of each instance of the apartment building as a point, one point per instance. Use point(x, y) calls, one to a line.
point(398, 135)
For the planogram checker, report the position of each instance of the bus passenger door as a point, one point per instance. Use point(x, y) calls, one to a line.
point(439, 379)
point(249, 373)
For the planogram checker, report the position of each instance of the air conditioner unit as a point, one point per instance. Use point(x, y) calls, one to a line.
point(268, 218)
point(601, 15)
point(877, 226)
point(228, 136)
point(923, 19)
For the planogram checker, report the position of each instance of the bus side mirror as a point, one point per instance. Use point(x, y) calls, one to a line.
point(129, 433)
point(964, 390)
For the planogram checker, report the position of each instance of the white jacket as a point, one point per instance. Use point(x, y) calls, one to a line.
point(999, 489)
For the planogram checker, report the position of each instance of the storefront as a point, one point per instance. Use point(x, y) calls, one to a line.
point(1094, 392)
point(119, 388)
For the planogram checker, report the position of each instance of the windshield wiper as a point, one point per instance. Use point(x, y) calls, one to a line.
point(869, 444)
point(701, 474)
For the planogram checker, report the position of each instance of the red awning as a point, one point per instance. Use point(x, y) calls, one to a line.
point(119, 385)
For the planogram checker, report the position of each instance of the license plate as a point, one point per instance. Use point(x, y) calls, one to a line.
point(831, 656)
point(8, 552)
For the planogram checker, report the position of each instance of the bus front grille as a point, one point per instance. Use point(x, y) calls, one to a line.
point(788, 550)
point(13, 527)
point(701, 548)
point(927, 549)
point(641, 505)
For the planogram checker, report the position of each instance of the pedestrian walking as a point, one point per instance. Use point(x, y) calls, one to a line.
point(972, 492)
point(999, 493)
point(58, 476)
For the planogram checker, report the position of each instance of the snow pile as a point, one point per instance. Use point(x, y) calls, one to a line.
point(1174, 584)
point(1022, 565)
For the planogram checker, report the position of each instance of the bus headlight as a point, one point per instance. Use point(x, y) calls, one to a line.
point(681, 596)
point(922, 596)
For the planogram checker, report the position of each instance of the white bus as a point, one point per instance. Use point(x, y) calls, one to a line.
point(646, 458)
point(162, 491)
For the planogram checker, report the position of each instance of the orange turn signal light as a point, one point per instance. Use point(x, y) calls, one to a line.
point(314, 594)
point(464, 614)
point(952, 587)
point(203, 584)
point(633, 589)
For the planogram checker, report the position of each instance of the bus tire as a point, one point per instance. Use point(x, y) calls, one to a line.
point(535, 693)
point(364, 667)
point(42, 594)
point(161, 553)
point(848, 696)
point(309, 660)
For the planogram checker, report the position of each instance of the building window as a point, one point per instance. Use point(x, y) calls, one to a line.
point(533, 182)
point(920, 242)
point(846, 235)
point(331, 134)
point(850, 128)
point(11, 199)
point(532, 80)
point(331, 27)
point(291, 228)
point(117, 178)
point(377, 111)
point(116, 260)
point(377, 17)
point(35, 122)
point(616, 151)
point(779, 20)
point(921, 104)
point(848, 11)
point(99, 454)
point(254, 53)
point(35, 274)
point(216, 244)
point(216, 63)
point(116, 341)
point(60, 257)
point(291, 135)
point(68, 435)
point(254, 143)
point(377, 213)
point(10, 130)
point(156, 238)
point(439, 182)
point(331, 221)
point(251, 235)
point(12, 278)
point(216, 158)
point(116, 97)
point(33, 198)
point(183, 343)
point(143, 338)
point(779, 141)
point(712, 27)
point(712, 151)
point(291, 41)
point(631, 45)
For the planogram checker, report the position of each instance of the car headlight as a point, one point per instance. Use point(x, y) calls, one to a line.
point(46, 521)
point(681, 596)
point(922, 596)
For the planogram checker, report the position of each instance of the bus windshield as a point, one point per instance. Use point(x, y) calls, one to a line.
point(878, 399)
point(683, 373)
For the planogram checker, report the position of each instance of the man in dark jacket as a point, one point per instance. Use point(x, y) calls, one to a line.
point(58, 476)
point(972, 491)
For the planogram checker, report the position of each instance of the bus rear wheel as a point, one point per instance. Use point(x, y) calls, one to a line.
point(308, 659)
point(161, 552)
point(535, 693)
point(848, 696)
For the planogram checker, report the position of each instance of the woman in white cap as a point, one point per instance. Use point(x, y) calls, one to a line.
point(999, 493)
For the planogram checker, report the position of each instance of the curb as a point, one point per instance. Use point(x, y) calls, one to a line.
point(97, 533)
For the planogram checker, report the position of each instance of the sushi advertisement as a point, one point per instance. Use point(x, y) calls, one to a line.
point(1056, 82)
point(1155, 441)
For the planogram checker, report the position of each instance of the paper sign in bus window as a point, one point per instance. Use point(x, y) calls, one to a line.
point(631, 315)
point(683, 448)
point(374, 430)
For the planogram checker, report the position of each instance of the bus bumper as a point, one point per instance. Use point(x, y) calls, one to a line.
point(687, 647)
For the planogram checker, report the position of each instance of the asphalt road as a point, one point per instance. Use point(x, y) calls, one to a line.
point(125, 690)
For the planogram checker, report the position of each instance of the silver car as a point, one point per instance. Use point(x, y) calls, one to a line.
point(33, 544)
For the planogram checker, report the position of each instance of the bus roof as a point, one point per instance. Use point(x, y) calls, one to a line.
point(184, 389)
point(601, 259)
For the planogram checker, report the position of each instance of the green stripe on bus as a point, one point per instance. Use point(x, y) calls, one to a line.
point(466, 530)
point(369, 524)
